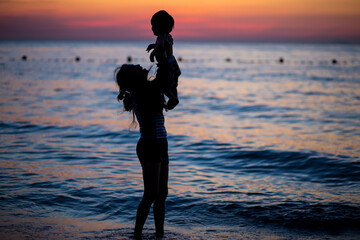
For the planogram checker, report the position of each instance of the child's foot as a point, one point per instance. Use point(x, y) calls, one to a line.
point(171, 104)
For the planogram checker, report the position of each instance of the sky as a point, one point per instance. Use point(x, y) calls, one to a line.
point(333, 21)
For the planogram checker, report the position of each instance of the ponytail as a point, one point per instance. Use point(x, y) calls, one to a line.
point(125, 96)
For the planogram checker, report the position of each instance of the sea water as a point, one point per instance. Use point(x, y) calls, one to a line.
point(265, 142)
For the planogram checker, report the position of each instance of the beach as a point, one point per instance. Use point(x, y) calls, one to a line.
point(265, 143)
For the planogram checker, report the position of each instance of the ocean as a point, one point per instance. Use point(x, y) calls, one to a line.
point(265, 143)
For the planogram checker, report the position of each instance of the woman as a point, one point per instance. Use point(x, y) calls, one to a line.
point(145, 100)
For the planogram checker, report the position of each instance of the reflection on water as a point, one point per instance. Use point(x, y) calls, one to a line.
point(252, 143)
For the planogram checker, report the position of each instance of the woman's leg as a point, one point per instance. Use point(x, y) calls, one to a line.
point(159, 204)
point(151, 176)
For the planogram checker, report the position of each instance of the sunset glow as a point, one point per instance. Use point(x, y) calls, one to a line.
point(226, 20)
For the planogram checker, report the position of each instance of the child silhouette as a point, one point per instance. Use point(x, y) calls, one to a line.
point(162, 50)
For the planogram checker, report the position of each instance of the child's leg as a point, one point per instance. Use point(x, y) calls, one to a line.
point(172, 93)
point(174, 90)
point(173, 98)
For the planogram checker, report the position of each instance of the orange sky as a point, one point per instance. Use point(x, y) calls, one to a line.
point(222, 20)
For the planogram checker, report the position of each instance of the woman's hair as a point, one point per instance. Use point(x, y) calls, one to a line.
point(123, 79)
point(163, 21)
point(131, 90)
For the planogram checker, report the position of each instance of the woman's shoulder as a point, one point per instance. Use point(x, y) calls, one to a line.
point(148, 88)
point(148, 100)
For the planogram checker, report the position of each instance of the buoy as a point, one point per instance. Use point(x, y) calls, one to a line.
point(77, 59)
point(228, 59)
point(24, 58)
point(129, 59)
point(334, 61)
point(180, 59)
point(281, 60)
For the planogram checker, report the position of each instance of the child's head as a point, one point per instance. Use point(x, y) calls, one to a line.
point(162, 22)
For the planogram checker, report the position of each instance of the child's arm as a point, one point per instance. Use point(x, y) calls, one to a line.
point(151, 46)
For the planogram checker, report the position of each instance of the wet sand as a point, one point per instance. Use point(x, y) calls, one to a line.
point(68, 228)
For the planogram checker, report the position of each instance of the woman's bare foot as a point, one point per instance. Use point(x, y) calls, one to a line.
point(137, 236)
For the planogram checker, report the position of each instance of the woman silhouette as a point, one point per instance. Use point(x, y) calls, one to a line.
point(145, 100)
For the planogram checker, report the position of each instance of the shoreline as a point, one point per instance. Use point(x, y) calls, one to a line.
point(70, 228)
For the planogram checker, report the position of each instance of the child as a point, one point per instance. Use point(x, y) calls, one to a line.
point(168, 69)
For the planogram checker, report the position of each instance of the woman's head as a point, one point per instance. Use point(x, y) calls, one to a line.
point(162, 22)
point(128, 78)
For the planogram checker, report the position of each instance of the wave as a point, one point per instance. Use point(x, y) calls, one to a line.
point(75, 131)
point(306, 166)
point(102, 197)
point(292, 214)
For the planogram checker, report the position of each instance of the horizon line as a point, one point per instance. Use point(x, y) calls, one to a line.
point(292, 41)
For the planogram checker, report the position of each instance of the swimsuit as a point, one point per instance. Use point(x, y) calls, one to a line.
point(152, 145)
